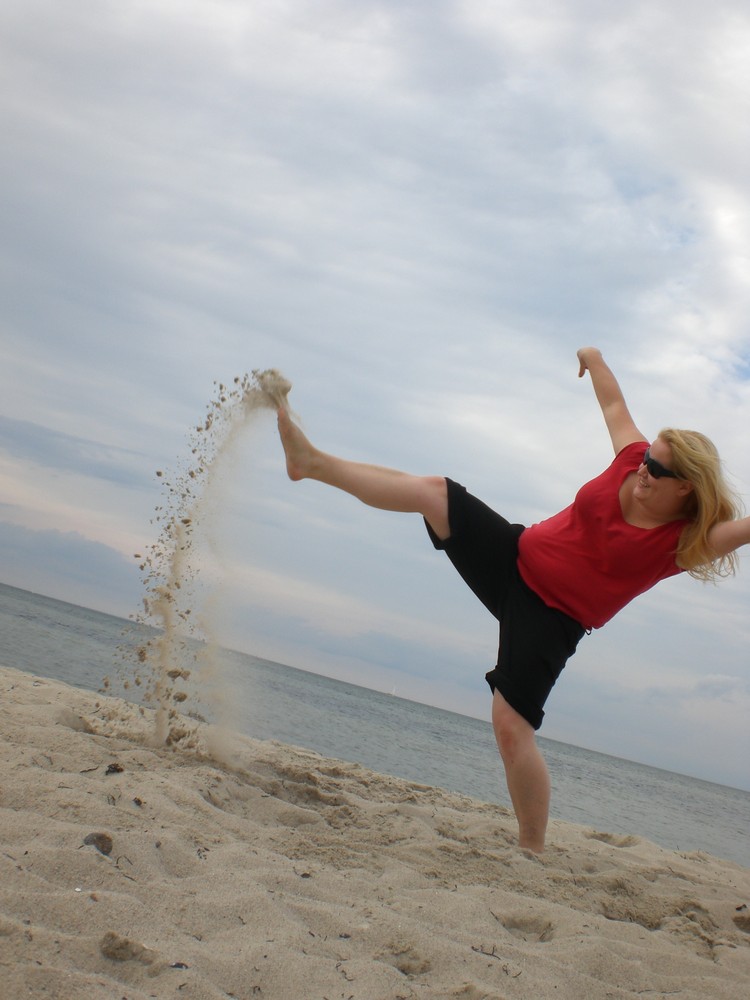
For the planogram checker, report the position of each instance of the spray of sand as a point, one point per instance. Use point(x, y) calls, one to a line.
point(177, 597)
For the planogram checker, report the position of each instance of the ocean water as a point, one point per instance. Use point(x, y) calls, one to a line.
point(389, 734)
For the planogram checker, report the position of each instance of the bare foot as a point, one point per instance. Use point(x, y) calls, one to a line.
point(298, 450)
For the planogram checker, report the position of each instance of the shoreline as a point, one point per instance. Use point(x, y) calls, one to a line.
point(280, 873)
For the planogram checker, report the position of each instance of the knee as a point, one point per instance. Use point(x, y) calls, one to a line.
point(512, 732)
point(435, 504)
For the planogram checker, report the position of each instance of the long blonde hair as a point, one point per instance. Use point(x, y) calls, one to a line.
point(695, 458)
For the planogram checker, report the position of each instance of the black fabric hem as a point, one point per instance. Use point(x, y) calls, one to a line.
point(532, 713)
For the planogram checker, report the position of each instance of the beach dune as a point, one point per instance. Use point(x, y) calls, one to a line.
point(223, 867)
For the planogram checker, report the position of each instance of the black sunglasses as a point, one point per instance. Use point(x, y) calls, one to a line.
point(656, 469)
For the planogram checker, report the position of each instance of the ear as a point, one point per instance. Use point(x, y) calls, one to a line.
point(685, 488)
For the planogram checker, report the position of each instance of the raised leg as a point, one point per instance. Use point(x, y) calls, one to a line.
point(375, 486)
point(525, 772)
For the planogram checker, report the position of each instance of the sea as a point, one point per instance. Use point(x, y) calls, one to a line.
point(81, 647)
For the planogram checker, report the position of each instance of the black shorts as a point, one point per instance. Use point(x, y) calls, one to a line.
point(536, 640)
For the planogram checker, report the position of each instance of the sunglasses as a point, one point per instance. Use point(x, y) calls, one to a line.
point(655, 469)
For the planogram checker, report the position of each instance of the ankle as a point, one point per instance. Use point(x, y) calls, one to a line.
point(531, 841)
point(299, 453)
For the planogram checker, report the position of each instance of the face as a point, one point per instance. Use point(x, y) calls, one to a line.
point(662, 492)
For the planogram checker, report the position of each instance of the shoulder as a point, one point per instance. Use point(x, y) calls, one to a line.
point(632, 452)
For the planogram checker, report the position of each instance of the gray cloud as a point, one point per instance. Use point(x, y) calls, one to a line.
point(53, 450)
point(68, 566)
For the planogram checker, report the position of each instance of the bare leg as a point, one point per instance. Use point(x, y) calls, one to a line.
point(525, 772)
point(386, 489)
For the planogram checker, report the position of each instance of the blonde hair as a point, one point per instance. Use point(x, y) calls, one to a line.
point(695, 458)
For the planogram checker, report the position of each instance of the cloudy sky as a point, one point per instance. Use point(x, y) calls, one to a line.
point(418, 211)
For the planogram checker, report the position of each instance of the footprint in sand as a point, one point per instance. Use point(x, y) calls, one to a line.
point(613, 839)
point(406, 959)
point(534, 929)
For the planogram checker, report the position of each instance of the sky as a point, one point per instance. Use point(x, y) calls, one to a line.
point(418, 212)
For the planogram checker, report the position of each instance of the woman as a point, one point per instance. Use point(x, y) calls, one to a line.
point(658, 510)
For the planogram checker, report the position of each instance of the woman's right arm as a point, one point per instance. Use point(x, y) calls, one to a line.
point(621, 426)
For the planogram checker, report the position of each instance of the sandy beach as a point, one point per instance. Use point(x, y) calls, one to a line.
point(224, 867)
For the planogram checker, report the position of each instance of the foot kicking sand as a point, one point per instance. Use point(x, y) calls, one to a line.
point(300, 454)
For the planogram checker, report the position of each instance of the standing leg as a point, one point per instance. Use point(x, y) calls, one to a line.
point(386, 489)
point(525, 772)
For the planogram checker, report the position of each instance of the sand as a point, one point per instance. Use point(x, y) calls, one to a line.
point(135, 871)
point(192, 499)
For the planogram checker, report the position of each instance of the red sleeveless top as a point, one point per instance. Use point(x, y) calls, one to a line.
point(587, 560)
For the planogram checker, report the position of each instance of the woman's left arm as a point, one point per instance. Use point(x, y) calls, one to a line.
point(727, 536)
